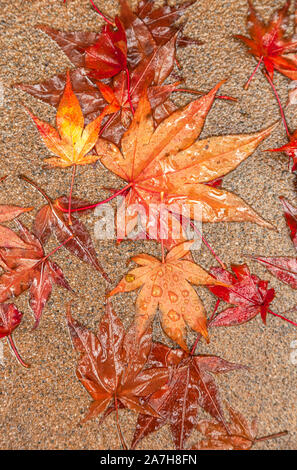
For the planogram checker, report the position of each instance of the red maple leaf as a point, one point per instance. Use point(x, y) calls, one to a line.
point(10, 318)
point(268, 43)
point(284, 268)
point(249, 295)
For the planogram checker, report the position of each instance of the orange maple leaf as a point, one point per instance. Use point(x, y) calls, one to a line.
point(71, 142)
point(167, 165)
point(166, 285)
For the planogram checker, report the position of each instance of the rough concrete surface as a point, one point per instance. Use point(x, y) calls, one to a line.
point(41, 407)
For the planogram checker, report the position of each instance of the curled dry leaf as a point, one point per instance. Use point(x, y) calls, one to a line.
point(167, 285)
point(268, 43)
point(112, 365)
point(190, 389)
point(27, 267)
point(168, 166)
point(249, 295)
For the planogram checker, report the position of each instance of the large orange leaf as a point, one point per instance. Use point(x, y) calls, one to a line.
point(167, 165)
point(167, 285)
point(70, 142)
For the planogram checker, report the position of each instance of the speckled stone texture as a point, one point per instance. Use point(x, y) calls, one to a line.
point(41, 408)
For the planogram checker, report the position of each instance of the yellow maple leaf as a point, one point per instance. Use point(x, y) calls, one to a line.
point(71, 141)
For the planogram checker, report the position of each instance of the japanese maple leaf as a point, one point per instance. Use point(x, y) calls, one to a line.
point(71, 142)
point(161, 20)
point(248, 294)
point(51, 219)
point(112, 365)
point(190, 389)
point(108, 56)
point(151, 73)
point(10, 318)
point(27, 268)
point(241, 434)
point(269, 44)
point(166, 285)
point(284, 267)
point(167, 165)
point(290, 149)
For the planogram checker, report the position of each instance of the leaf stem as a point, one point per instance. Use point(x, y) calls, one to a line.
point(280, 105)
point(246, 86)
point(23, 177)
point(92, 206)
point(17, 355)
point(207, 244)
point(271, 436)
point(70, 194)
point(54, 250)
point(128, 89)
point(101, 14)
point(123, 443)
point(282, 317)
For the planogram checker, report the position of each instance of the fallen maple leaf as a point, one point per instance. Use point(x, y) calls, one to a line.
point(161, 20)
point(249, 295)
point(191, 387)
point(240, 436)
point(108, 55)
point(268, 44)
point(27, 267)
point(166, 165)
point(150, 60)
point(10, 318)
point(51, 219)
point(284, 267)
point(71, 143)
point(166, 285)
point(112, 366)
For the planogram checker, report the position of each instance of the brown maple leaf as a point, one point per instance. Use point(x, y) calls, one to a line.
point(240, 436)
point(167, 285)
point(191, 387)
point(112, 365)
